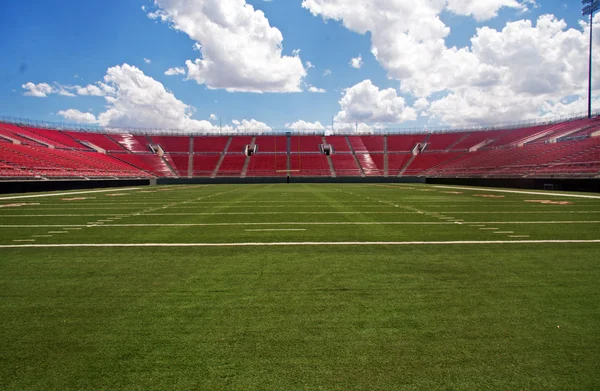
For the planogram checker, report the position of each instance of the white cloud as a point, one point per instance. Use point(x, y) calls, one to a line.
point(244, 126)
point(90, 89)
point(78, 116)
point(316, 90)
point(213, 117)
point(175, 71)
point(40, 90)
point(482, 10)
point(327, 72)
point(136, 100)
point(309, 65)
point(364, 102)
point(503, 75)
point(147, 61)
point(357, 62)
point(307, 126)
point(240, 50)
point(64, 92)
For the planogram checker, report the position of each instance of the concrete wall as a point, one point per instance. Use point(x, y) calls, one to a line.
point(584, 185)
point(258, 180)
point(38, 186)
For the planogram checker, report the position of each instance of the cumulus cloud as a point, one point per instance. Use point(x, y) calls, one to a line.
point(78, 116)
point(316, 90)
point(147, 61)
point(356, 62)
point(40, 90)
point(327, 72)
point(240, 50)
point(506, 74)
point(134, 99)
point(303, 125)
point(90, 89)
point(213, 117)
point(175, 71)
point(483, 10)
point(365, 102)
point(309, 65)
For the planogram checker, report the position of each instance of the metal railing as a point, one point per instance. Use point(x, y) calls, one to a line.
point(338, 130)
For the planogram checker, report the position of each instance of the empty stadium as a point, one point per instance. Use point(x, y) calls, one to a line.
point(177, 211)
point(565, 149)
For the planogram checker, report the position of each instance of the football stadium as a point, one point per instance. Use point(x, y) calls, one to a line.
point(412, 244)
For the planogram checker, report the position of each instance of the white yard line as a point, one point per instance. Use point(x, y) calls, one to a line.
point(287, 213)
point(548, 194)
point(65, 194)
point(275, 230)
point(473, 224)
point(278, 244)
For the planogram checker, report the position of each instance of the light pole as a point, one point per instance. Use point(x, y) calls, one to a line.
point(590, 7)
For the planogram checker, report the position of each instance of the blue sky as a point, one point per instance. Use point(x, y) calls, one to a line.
point(72, 43)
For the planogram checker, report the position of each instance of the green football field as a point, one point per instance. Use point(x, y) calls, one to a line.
point(300, 287)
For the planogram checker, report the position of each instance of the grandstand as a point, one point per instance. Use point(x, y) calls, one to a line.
point(553, 150)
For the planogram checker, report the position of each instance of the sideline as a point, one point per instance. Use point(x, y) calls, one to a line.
point(279, 244)
point(548, 194)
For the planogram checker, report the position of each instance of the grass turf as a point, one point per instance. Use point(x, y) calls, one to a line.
point(423, 317)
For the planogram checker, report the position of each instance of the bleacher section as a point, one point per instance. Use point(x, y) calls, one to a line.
point(204, 165)
point(135, 144)
point(267, 165)
point(99, 140)
point(172, 143)
point(232, 165)
point(211, 144)
point(309, 165)
point(305, 144)
point(271, 144)
point(404, 143)
point(567, 149)
point(152, 164)
point(39, 161)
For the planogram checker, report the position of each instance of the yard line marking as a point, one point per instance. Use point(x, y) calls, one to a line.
point(472, 224)
point(489, 229)
point(63, 194)
point(41, 236)
point(285, 213)
point(273, 230)
point(278, 244)
point(504, 232)
point(520, 192)
point(57, 232)
point(24, 240)
point(518, 236)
